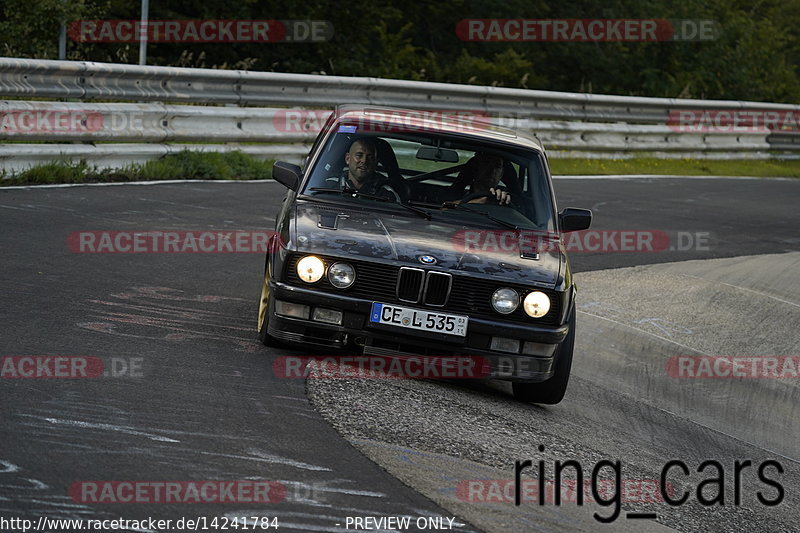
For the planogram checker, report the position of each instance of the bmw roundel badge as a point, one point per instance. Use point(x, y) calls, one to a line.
point(427, 259)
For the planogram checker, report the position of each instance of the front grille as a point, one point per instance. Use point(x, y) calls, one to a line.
point(409, 284)
point(467, 295)
point(437, 288)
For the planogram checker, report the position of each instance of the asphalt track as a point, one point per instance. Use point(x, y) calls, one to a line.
point(206, 406)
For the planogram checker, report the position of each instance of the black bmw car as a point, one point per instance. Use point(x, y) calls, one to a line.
point(417, 233)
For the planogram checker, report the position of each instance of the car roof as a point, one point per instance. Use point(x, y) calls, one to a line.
point(473, 124)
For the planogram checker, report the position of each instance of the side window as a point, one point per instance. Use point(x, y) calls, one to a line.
point(318, 140)
point(539, 193)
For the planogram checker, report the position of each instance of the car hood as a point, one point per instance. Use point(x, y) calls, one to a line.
point(402, 239)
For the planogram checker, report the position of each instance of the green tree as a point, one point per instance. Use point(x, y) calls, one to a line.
point(30, 28)
point(755, 57)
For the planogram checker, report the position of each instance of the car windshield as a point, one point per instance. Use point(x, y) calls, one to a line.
point(440, 175)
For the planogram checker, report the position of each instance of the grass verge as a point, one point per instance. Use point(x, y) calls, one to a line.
point(239, 166)
point(679, 167)
point(182, 165)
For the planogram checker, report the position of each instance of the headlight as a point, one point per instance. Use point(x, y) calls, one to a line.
point(310, 269)
point(536, 304)
point(341, 275)
point(505, 300)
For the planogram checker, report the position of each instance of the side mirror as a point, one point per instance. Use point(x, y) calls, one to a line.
point(574, 219)
point(287, 174)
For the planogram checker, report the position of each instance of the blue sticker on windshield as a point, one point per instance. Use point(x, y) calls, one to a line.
point(347, 129)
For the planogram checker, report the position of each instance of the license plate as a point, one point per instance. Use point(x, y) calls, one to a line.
point(405, 317)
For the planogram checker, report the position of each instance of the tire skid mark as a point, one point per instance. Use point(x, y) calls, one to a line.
point(33, 496)
point(104, 427)
point(650, 333)
point(169, 310)
point(126, 313)
point(260, 456)
point(144, 320)
point(8, 467)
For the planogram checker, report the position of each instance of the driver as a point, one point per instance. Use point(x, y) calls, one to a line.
point(361, 160)
point(486, 171)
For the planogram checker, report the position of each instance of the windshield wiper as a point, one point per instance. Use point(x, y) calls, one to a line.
point(424, 204)
point(350, 190)
point(502, 222)
point(420, 212)
point(356, 192)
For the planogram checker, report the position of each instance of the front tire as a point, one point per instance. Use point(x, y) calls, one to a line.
point(264, 309)
point(552, 391)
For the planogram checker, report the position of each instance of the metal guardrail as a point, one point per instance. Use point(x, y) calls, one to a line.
point(155, 122)
point(566, 122)
point(82, 80)
point(98, 122)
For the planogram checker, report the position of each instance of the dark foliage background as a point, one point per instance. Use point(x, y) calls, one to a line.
point(756, 56)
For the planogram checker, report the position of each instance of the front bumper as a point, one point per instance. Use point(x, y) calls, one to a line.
point(385, 340)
